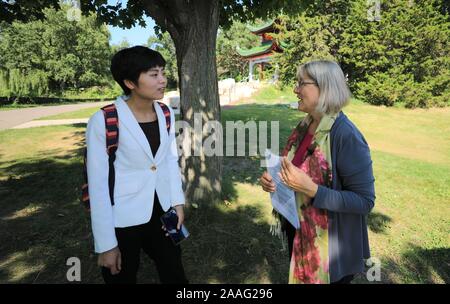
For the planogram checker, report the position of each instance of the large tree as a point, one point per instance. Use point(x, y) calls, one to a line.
point(193, 26)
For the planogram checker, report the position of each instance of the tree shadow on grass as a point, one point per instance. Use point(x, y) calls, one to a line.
point(378, 222)
point(242, 169)
point(227, 246)
point(235, 248)
point(43, 224)
point(41, 221)
point(419, 265)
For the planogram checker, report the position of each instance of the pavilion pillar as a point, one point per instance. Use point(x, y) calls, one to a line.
point(261, 70)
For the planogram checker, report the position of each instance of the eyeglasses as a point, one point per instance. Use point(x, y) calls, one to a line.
point(302, 83)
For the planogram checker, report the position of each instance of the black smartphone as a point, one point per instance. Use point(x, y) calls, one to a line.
point(170, 221)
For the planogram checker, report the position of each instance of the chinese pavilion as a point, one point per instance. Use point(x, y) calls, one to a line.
point(261, 54)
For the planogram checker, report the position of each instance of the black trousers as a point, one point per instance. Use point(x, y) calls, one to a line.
point(150, 238)
point(290, 233)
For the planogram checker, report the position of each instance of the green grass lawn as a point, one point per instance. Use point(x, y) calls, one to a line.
point(270, 94)
point(84, 113)
point(43, 224)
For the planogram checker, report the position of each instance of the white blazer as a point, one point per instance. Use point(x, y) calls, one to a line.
point(137, 174)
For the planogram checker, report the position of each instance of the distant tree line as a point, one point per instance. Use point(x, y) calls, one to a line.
point(52, 55)
point(395, 53)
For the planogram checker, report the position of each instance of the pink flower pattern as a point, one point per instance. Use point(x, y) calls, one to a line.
point(306, 252)
point(306, 263)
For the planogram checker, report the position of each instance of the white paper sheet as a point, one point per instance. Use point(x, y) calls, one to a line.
point(283, 199)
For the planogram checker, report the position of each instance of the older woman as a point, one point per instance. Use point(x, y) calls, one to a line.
point(327, 163)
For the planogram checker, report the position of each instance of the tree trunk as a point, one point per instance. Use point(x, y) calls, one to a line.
point(193, 27)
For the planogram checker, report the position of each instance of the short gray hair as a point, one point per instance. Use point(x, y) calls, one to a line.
point(328, 75)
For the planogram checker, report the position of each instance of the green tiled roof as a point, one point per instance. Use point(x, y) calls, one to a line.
point(261, 27)
point(258, 50)
point(283, 45)
point(264, 47)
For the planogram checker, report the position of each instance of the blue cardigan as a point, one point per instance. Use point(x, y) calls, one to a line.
point(349, 201)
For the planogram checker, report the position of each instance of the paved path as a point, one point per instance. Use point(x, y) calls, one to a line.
point(13, 118)
point(7, 121)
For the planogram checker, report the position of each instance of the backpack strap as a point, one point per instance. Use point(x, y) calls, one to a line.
point(166, 112)
point(112, 141)
point(84, 187)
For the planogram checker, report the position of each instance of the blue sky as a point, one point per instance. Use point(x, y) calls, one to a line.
point(136, 35)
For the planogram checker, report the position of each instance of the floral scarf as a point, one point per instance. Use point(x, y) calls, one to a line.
point(309, 260)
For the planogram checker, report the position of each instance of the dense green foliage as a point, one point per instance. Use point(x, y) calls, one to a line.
point(166, 47)
point(402, 57)
point(397, 55)
point(53, 55)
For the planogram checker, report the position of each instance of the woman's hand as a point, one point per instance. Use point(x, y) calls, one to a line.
point(266, 182)
point(297, 179)
point(111, 259)
point(180, 213)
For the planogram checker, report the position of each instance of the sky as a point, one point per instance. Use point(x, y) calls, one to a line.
point(136, 35)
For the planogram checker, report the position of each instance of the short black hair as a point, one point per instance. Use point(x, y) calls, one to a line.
point(129, 63)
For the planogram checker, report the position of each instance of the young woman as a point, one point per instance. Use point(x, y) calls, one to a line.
point(147, 176)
